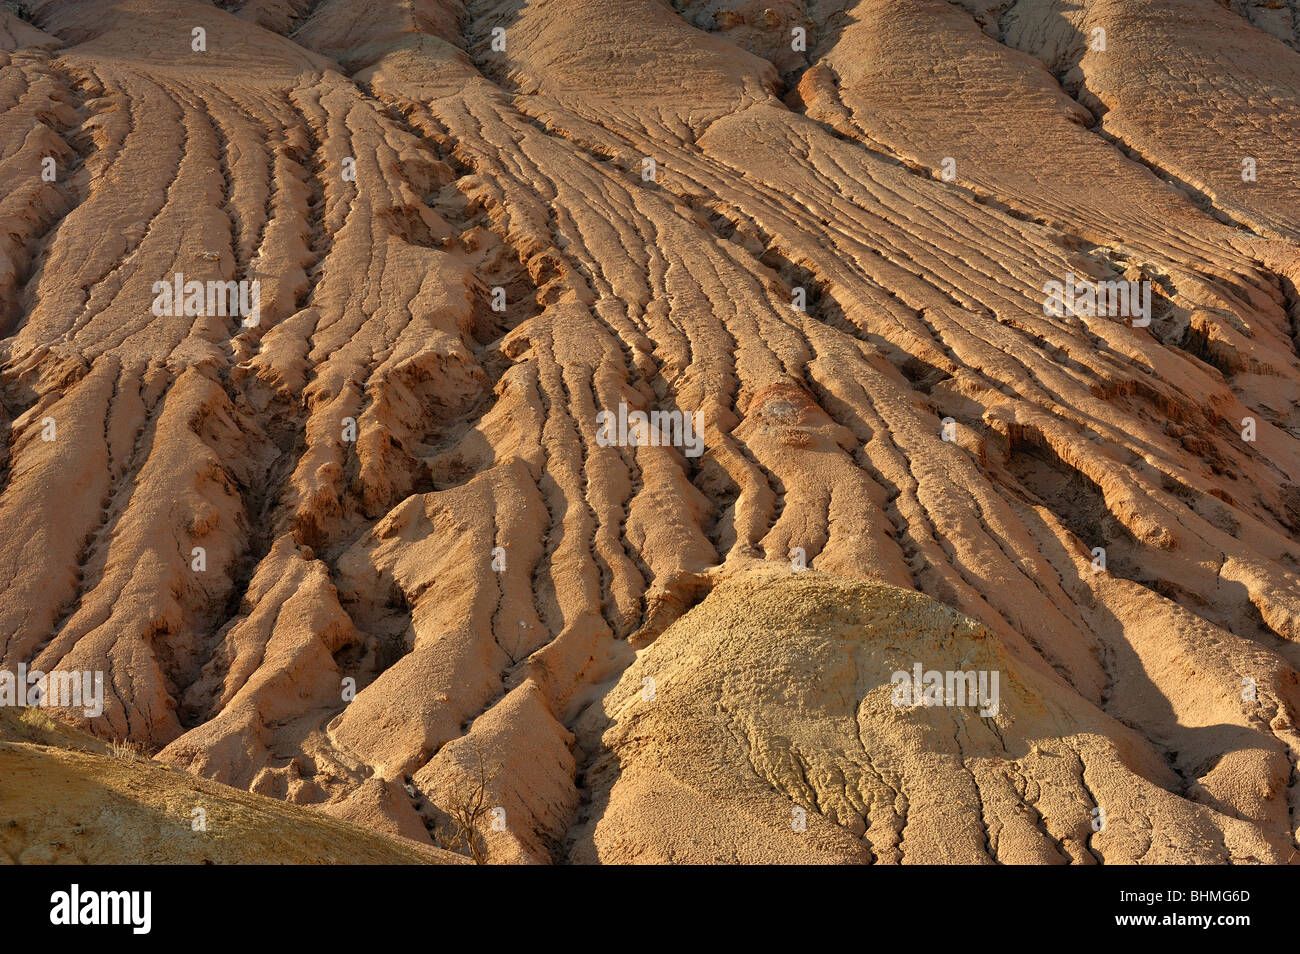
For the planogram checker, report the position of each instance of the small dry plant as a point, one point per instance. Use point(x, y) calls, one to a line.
point(468, 808)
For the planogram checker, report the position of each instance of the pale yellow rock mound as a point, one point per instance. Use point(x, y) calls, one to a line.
point(760, 728)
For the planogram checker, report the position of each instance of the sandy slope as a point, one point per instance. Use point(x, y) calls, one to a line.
point(328, 558)
point(67, 799)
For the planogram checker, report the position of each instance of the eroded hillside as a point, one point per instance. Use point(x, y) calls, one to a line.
point(344, 552)
point(67, 798)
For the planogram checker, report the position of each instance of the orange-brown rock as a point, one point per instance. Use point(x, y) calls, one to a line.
point(373, 549)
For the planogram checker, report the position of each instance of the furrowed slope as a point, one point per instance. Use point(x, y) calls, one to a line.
point(476, 225)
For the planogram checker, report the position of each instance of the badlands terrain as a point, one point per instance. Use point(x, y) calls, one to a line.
point(366, 551)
